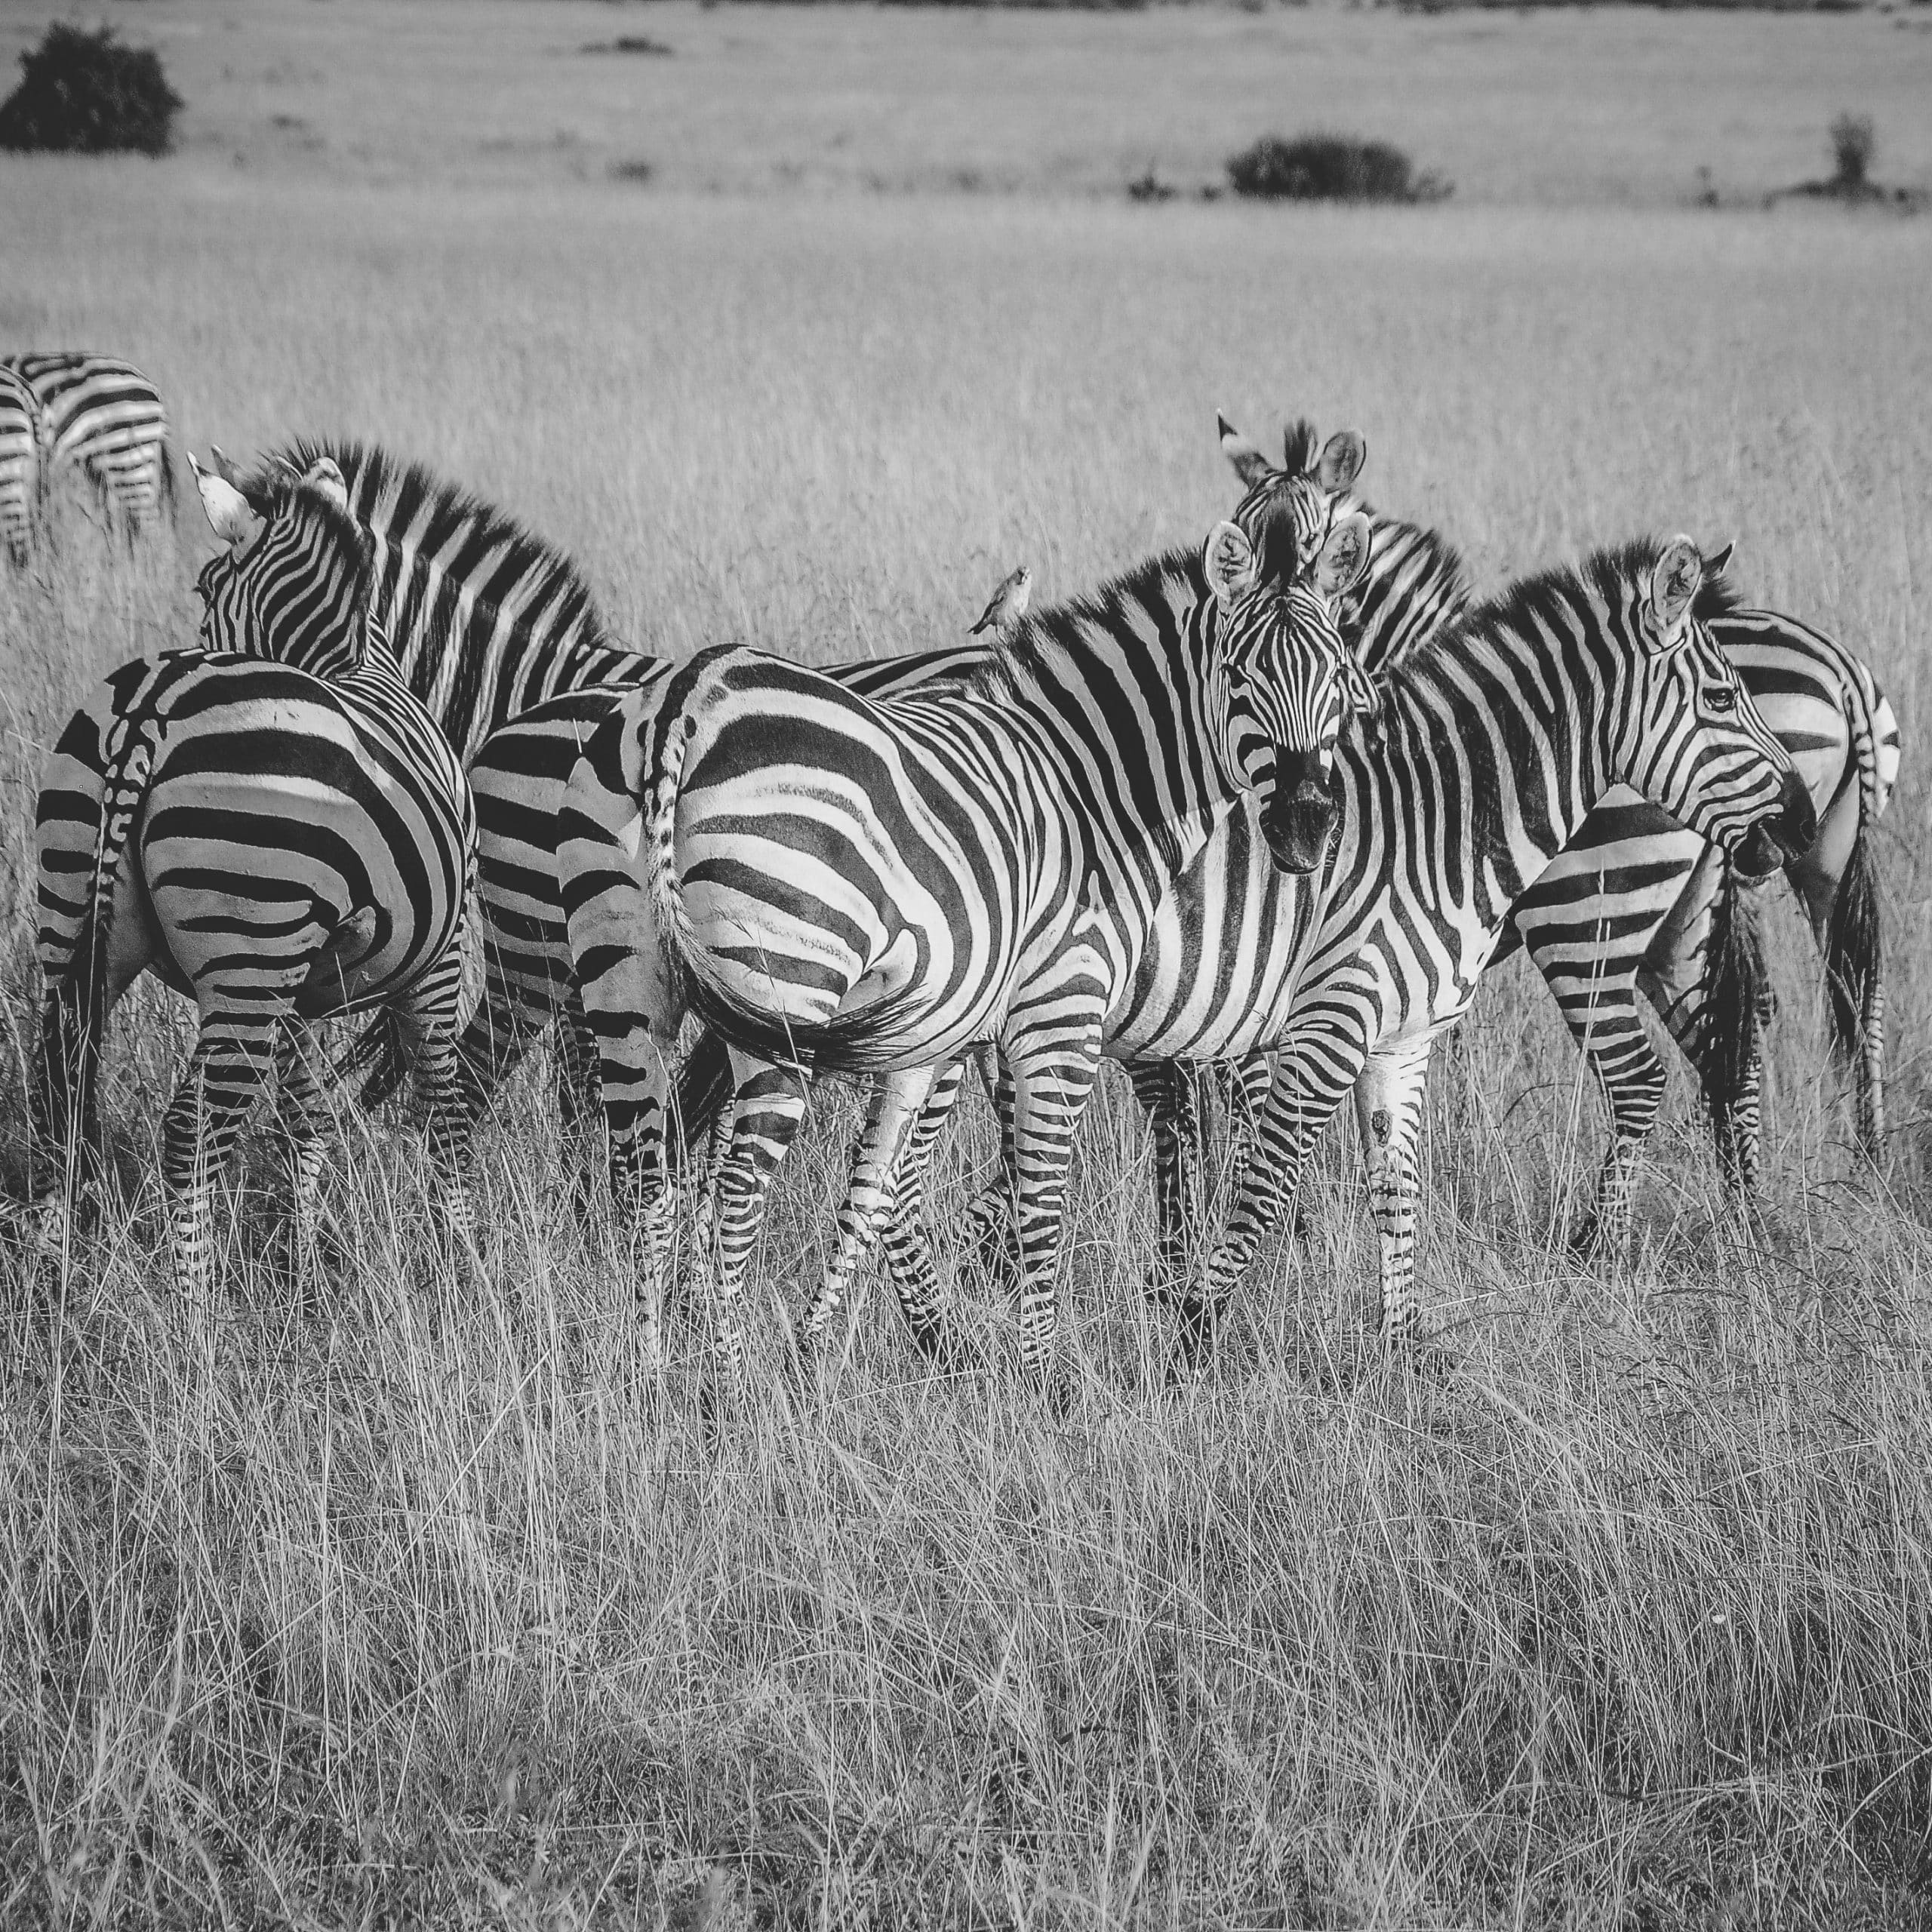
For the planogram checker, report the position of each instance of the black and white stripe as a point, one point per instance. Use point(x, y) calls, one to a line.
point(19, 466)
point(102, 416)
point(1496, 741)
point(842, 885)
point(280, 845)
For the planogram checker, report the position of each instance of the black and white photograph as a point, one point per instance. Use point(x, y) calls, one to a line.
point(966, 966)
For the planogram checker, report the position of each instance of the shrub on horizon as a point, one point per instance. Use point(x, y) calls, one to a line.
point(1330, 168)
point(83, 93)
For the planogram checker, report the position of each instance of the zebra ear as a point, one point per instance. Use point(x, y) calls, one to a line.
point(322, 474)
point(1344, 555)
point(229, 514)
point(1342, 456)
point(224, 467)
point(1675, 582)
point(1250, 466)
point(1718, 562)
point(1231, 564)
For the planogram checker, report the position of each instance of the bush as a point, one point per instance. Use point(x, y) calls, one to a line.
point(1853, 141)
point(1330, 168)
point(86, 93)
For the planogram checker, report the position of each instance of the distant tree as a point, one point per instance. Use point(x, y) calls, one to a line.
point(1853, 141)
point(85, 92)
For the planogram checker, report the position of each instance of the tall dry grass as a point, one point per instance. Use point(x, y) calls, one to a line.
point(416, 1607)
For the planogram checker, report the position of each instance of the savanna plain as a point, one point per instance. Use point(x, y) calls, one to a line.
point(422, 1607)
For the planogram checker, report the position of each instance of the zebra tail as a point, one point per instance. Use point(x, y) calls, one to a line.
point(77, 1012)
point(1736, 987)
point(168, 495)
point(703, 1086)
point(1853, 964)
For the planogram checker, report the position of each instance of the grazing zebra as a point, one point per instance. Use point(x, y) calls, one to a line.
point(103, 417)
point(520, 775)
point(20, 464)
point(282, 835)
point(1637, 904)
point(1498, 738)
point(488, 623)
point(839, 884)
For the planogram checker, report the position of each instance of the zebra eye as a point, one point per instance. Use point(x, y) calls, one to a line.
point(1720, 698)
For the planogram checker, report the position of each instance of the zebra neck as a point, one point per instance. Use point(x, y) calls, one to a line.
point(1416, 585)
point(1114, 696)
point(1508, 736)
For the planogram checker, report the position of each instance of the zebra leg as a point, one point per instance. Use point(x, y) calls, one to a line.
point(1054, 1068)
point(768, 1102)
point(898, 1100)
point(579, 1106)
point(1168, 1092)
point(907, 1241)
point(301, 1079)
point(227, 1071)
point(426, 1015)
point(1838, 885)
point(1313, 1071)
point(1599, 1006)
point(1389, 1098)
point(988, 1231)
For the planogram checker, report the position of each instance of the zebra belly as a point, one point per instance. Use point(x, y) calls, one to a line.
point(519, 779)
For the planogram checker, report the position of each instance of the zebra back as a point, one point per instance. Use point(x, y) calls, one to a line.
point(486, 619)
point(103, 417)
point(19, 464)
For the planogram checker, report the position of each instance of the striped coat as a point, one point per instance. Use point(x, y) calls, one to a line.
point(840, 885)
point(283, 836)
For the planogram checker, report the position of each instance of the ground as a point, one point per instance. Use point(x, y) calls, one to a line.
point(427, 1612)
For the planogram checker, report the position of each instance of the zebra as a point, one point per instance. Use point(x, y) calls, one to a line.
point(487, 620)
point(102, 416)
point(282, 835)
point(1497, 739)
point(520, 776)
point(19, 466)
point(849, 885)
point(1637, 904)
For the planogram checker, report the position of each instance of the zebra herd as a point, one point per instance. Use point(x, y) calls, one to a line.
point(1270, 804)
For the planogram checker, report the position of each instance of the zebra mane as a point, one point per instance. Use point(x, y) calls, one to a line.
point(1023, 658)
point(442, 532)
point(1528, 607)
point(1717, 597)
point(275, 496)
point(1298, 447)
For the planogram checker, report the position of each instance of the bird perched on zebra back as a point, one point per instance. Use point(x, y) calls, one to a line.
point(276, 826)
point(915, 875)
point(1007, 604)
point(19, 466)
point(102, 416)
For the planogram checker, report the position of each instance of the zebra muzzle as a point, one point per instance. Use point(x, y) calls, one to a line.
point(1772, 840)
point(1299, 816)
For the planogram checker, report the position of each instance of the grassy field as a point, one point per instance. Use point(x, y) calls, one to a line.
point(415, 1613)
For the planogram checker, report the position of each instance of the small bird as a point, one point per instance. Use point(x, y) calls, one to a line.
point(1009, 604)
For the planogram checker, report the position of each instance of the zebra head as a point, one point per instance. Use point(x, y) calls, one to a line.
point(1693, 742)
point(1281, 681)
point(293, 582)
